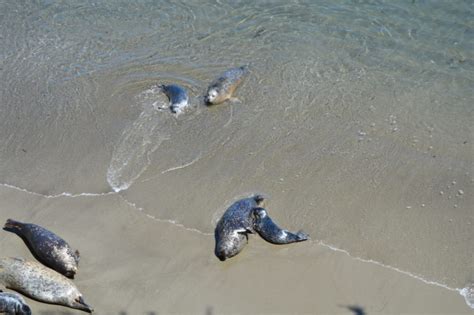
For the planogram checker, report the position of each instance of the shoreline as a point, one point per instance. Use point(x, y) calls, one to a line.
point(183, 277)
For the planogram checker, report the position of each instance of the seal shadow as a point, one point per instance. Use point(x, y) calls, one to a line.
point(356, 310)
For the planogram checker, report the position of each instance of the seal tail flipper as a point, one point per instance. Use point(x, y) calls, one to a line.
point(302, 236)
point(13, 226)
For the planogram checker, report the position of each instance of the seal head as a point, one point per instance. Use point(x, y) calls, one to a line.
point(177, 96)
point(223, 87)
point(12, 303)
point(271, 232)
point(50, 249)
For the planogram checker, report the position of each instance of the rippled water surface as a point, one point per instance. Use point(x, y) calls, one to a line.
point(356, 119)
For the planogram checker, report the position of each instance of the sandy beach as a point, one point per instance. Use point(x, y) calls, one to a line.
point(133, 263)
point(355, 121)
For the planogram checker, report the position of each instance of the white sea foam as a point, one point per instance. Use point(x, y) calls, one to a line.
point(174, 222)
point(467, 292)
point(63, 194)
point(131, 155)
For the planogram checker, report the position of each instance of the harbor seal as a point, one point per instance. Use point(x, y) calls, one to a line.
point(232, 229)
point(47, 247)
point(177, 96)
point(270, 232)
point(222, 88)
point(13, 304)
point(40, 283)
point(246, 216)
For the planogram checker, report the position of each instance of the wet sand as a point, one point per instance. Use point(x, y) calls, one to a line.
point(134, 264)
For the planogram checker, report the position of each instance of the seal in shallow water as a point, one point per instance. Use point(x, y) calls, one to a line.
point(13, 304)
point(232, 229)
point(270, 232)
point(47, 247)
point(40, 283)
point(178, 97)
point(222, 88)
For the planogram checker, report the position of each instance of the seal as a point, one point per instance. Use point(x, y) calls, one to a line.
point(40, 283)
point(177, 96)
point(270, 232)
point(47, 247)
point(232, 229)
point(222, 88)
point(13, 304)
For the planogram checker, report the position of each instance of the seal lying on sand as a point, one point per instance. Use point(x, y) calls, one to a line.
point(40, 283)
point(270, 232)
point(222, 88)
point(177, 95)
point(232, 229)
point(243, 217)
point(13, 304)
point(47, 247)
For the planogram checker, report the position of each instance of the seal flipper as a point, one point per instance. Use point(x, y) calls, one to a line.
point(271, 232)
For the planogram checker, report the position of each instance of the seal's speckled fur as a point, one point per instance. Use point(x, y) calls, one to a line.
point(47, 247)
point(246, 216)
point(14, 304)
point(178, 97)
point(271, 232)
point(222, 88)
point(231, 230)
point(40, 283)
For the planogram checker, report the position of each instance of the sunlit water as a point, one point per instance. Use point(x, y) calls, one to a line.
point(356, 118)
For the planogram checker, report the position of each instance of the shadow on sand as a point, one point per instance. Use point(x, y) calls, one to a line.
point(356, 310)
point(208, 311)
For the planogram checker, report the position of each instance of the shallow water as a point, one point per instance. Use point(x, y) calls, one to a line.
point(355, 121)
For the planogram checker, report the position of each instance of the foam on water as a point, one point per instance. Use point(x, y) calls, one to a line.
point(63, 194)
point(138, 141)
point(468, 294)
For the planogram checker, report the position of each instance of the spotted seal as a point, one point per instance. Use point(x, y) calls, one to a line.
point(177, 96)
point(47, 247)
point(270, 232)
point(232, 229)
point(243, 217)
point(222, 88)
point(40, 283)
point(13, 304)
